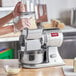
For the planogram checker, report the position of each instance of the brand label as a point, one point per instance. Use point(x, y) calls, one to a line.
point(54, 34)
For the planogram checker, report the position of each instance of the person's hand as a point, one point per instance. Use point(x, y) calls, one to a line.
point(20, 7)
point(22, 23)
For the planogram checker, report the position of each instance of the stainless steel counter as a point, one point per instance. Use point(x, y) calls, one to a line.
point(68, 48)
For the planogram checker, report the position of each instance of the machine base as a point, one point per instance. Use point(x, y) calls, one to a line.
point(53, 59)
point(41, 65)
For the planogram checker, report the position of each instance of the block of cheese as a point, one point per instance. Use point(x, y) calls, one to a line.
point(55, 22)
point(33, 24)
point(58, 24)
point(61, 25)
point(47, 26)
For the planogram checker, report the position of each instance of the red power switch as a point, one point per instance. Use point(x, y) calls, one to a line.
point(54, 34)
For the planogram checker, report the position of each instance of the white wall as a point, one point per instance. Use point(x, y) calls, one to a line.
point(71, 4)
point(60, 9)
point(54, 7)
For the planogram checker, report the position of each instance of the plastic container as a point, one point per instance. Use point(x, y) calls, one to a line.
point(7, 54)
point(12, 69)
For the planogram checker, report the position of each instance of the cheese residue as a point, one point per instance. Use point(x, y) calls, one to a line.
point(13, 70)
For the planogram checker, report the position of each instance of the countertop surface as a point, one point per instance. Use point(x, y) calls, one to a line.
point(49, 71)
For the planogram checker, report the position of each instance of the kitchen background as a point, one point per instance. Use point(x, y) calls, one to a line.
point(56, 9)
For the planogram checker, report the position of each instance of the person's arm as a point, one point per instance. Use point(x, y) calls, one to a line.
point(6, 30)
point(6, 19)
point(20, 7)
point(22, 23)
